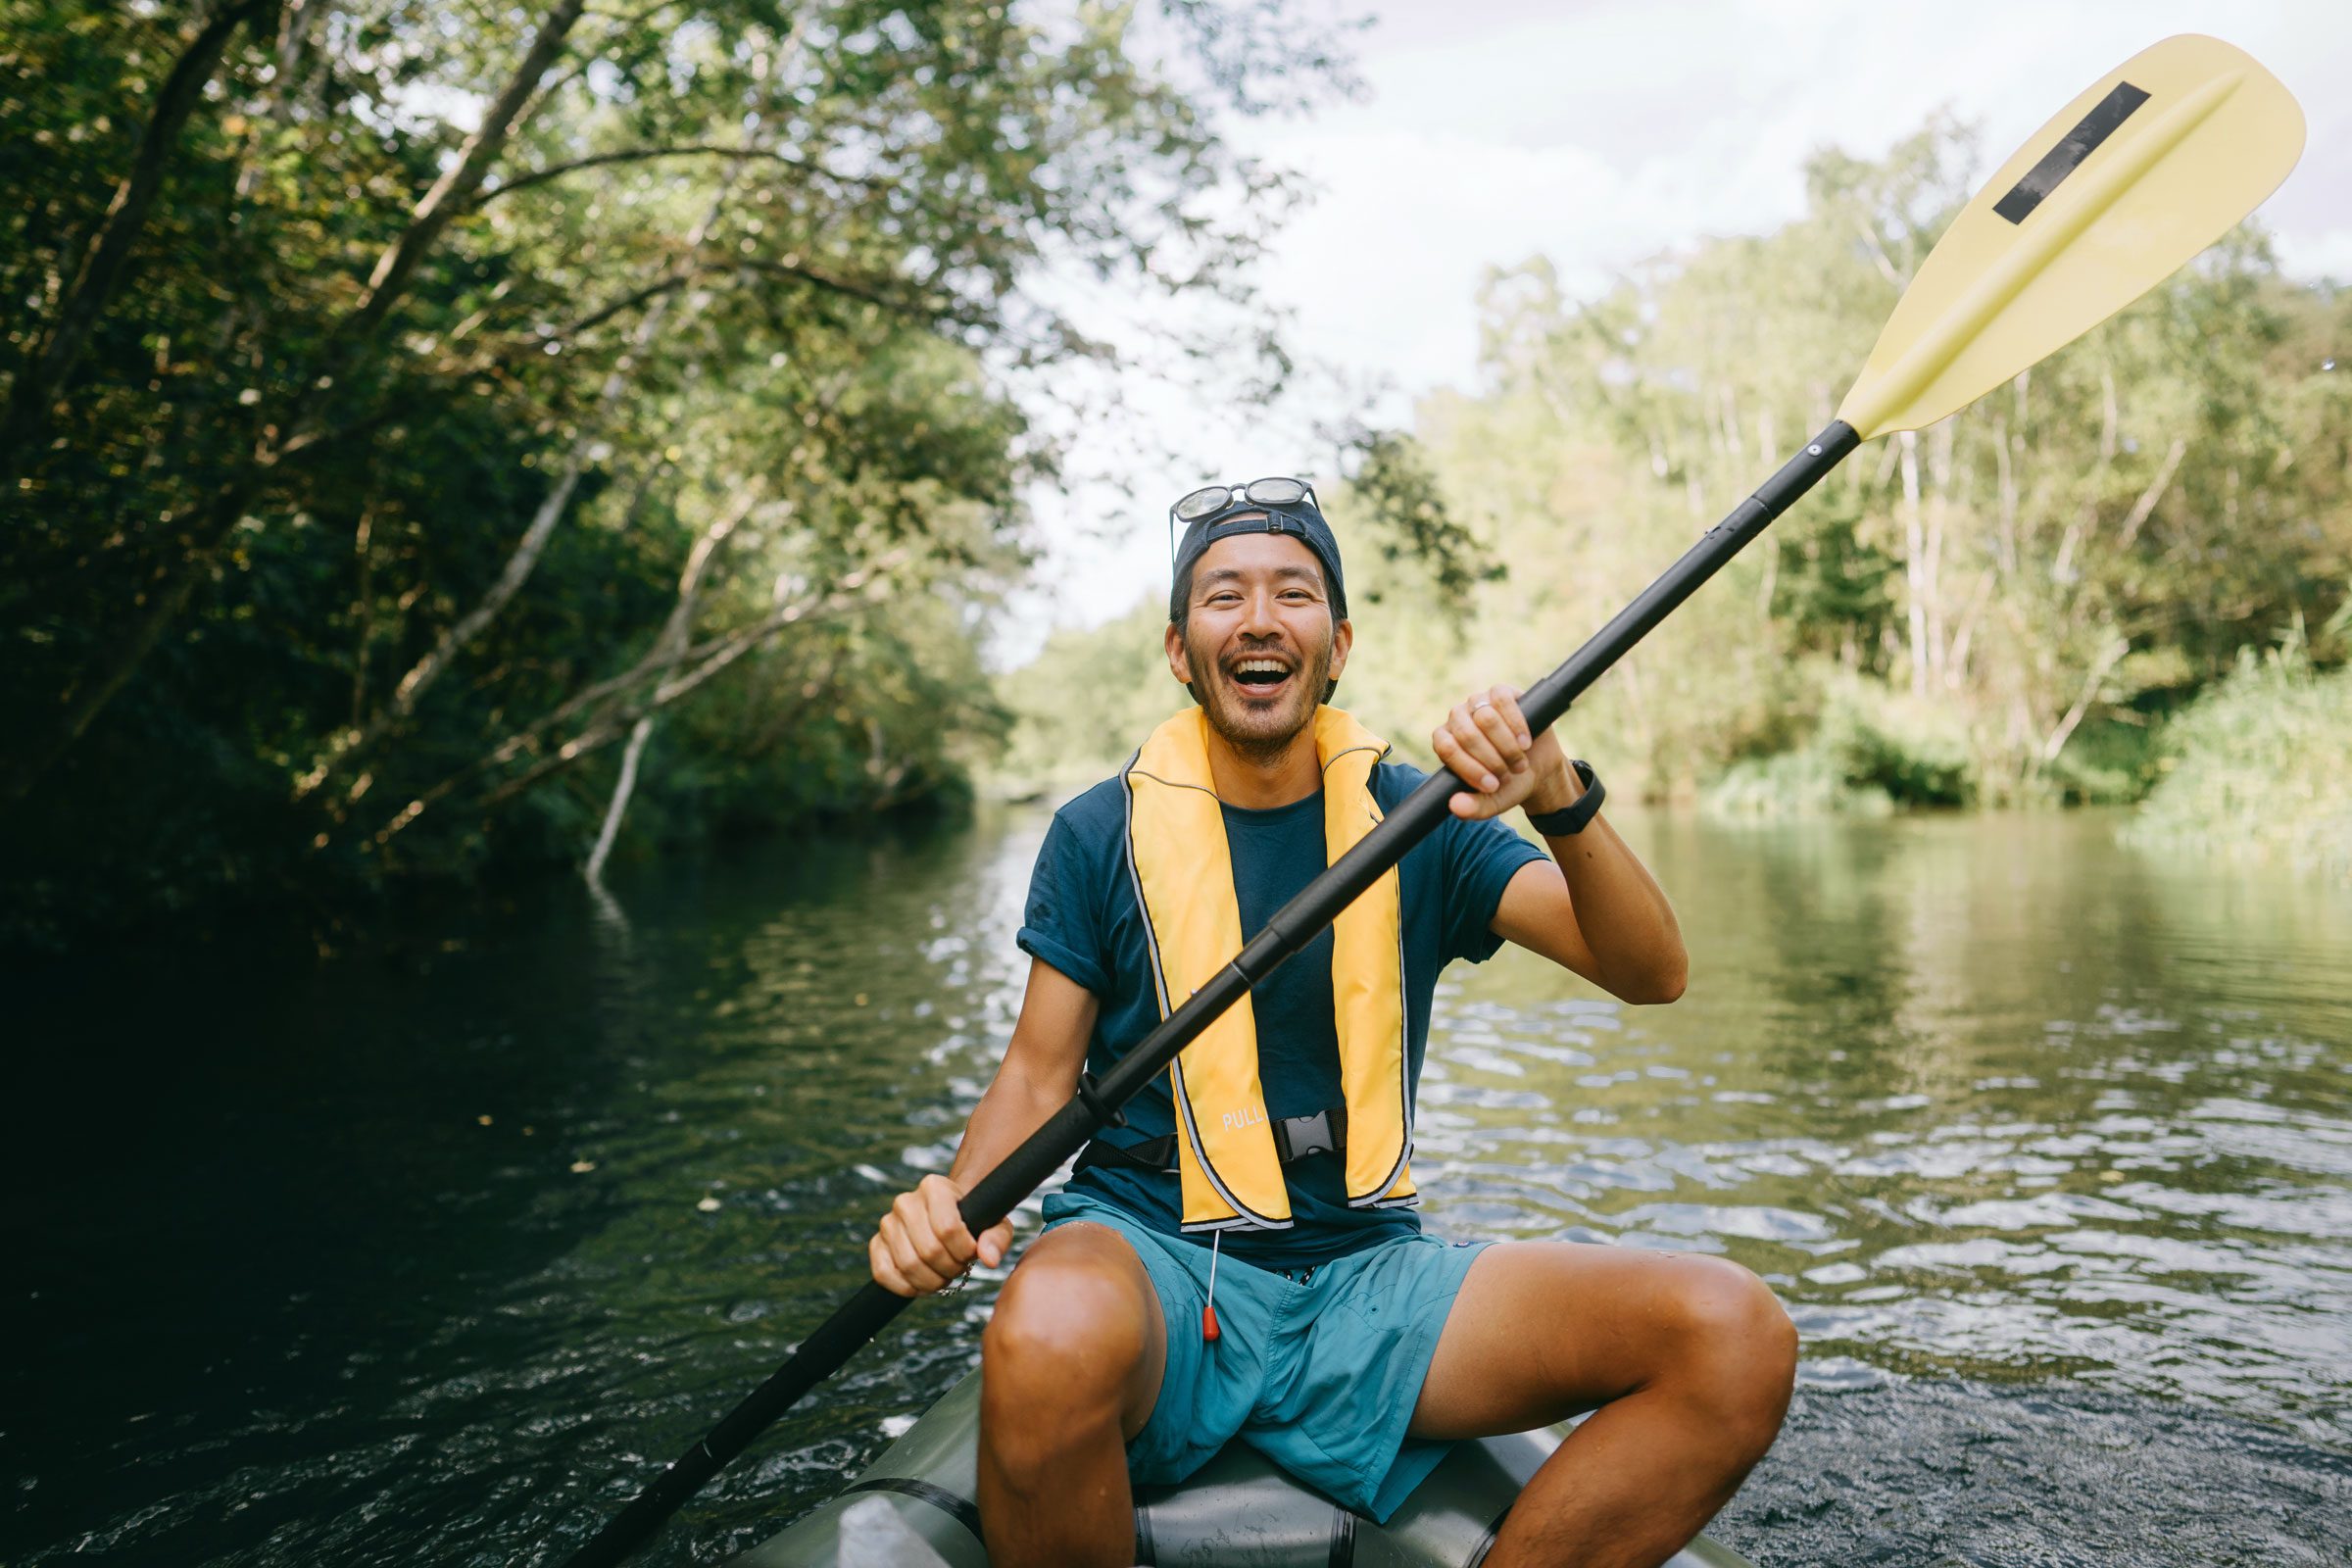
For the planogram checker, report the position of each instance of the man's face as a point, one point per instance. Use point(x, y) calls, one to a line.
point(1260, 644)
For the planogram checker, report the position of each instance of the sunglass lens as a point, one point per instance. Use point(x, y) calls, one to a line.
point(1201, 503)
point(1276, 492)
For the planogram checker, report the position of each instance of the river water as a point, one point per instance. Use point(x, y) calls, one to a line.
point(431, 1249)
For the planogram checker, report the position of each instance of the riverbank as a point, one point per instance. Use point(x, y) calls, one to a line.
point(66, 898)
point(2257, 766)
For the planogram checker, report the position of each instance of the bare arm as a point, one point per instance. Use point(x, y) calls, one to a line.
point(1633, 949)
point(1595, 908)
point(922, 1243)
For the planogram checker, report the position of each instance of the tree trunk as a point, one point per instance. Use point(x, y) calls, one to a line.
point(2108, 657)
point(714, 655)
point(594, 870)
point(1915, 552)
point(32, 400)
point(2145, 506)
point(1955, 662)
point(2007, 476)
point(1939, 475)
point(671, 643)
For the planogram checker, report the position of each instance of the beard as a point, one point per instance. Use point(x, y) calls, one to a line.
point(1259, 728)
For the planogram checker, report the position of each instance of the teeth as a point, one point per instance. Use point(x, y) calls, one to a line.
point(1271, 666)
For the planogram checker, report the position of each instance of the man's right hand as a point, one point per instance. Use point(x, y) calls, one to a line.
point(922, 1245)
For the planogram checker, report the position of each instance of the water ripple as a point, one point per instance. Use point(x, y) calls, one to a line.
point(1982, 1099)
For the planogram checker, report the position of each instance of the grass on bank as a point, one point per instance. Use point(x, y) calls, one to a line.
point(1869, 752)
point(2259, 768)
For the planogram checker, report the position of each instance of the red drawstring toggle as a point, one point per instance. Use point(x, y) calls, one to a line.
point(1208, 1308)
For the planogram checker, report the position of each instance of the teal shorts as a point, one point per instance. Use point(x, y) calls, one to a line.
point(1319, 1373)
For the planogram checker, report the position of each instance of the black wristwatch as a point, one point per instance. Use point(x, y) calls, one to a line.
point(1569, 821)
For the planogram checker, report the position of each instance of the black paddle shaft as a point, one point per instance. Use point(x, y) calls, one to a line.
point(1294, 925)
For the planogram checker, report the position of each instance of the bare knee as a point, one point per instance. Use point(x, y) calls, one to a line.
point(1062, 1353)
point(1738, 1348)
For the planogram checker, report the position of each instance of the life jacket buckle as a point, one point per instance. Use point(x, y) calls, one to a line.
point(1297, 1137)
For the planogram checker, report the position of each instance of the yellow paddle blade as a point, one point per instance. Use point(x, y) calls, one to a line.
point(2126, 183)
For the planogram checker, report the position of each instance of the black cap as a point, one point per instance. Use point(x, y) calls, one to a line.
point(1299, 519)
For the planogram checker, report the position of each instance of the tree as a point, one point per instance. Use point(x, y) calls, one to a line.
point(387, 378)
point(1951, 614)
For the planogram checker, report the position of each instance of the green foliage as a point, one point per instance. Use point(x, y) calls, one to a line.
point(1811, 781)
point(2060, 566)
point(2096, 539)
point(1915, 753)
point(2255, 769)
point(2110, 761)
point(1086, 701)
point(2001, 610)
point(1869, 751)
point(420, 452)
point(1396, 490)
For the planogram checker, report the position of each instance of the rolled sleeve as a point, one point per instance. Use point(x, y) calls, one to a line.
point(1060, 924)
point(1482, 857)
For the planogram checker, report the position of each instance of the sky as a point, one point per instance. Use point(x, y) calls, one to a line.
point(1599, 134)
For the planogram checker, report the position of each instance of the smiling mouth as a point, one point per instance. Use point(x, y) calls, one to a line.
point(1260, 677)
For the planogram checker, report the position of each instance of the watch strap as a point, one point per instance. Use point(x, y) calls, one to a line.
point(1569, 821)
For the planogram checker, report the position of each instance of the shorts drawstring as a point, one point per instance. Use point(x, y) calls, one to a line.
point(1208, 1308)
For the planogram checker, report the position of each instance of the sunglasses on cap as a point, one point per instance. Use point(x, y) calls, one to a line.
point(1209, 500)
point(1201, 505)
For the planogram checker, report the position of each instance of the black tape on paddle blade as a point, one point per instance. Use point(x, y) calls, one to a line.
point(2074, 146)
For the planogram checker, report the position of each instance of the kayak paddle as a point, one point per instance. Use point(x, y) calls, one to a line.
point(2151, 165)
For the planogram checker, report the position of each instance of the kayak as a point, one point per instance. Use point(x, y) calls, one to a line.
point(1238, 1510)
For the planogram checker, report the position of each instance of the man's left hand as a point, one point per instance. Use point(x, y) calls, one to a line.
point(1486, 743)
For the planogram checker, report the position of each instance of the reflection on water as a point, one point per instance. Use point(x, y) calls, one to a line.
point(431, 1255)
point(1988, 1097)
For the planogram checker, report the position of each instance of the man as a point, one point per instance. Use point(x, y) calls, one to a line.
point(1242, 1259)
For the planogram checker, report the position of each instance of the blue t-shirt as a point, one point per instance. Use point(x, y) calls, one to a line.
point(1081, 920)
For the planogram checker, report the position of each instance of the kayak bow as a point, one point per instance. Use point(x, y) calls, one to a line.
point(1238, 1512)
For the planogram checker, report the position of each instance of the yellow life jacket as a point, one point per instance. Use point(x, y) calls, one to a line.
point(1183, 871)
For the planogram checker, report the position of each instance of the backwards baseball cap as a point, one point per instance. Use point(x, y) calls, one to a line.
point(1262, 506)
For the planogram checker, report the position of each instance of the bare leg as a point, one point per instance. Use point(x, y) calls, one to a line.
point(1689, 1359)
point(1069, 1369)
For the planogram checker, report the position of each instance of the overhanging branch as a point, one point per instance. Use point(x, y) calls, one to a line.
point(693, 665)
point(639, 155)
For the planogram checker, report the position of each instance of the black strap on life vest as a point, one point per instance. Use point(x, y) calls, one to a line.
point(1294, 1138)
